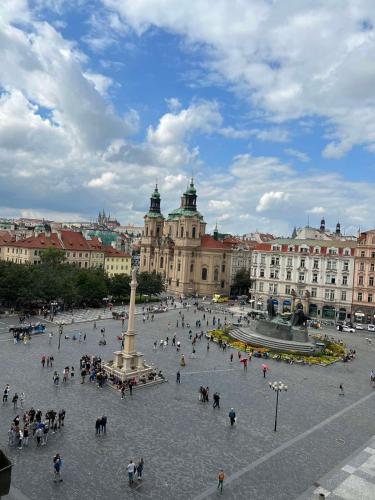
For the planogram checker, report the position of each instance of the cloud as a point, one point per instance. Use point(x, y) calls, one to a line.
point(218, 204)
point(316, 210)
point(274, 134)
point(173, 104)
point(106, 180)
point(271, 199)
point(270, 55)
point(297, 154)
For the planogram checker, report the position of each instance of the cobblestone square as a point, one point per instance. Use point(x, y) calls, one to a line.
point(183, 441)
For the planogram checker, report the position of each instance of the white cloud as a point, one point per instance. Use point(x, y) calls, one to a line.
point(101, 83)
point(290, 60)
point(274, 134)
point(219, 205)
point(106, 180)
point(271, 199)
point(173, 104)
point(297, 154)
point(316, 210)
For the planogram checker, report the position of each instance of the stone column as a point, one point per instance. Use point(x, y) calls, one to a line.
point(129, 344)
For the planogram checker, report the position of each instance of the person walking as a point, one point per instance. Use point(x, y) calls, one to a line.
point(178, 377)
point(216, 403)
point(231, 357)
point(140, 468)
point(130, 387)
point(341, 387)
point(14, 401)
point(131, 469)
point(61, 417)
point(220, 478)
point(103, 424)
point(6, 393)
point(98, 425)
point(232, 416)
point(57, 464)
point(22, 399)
point(123, 391)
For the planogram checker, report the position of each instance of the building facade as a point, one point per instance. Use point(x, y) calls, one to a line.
point(364, 278)
point(191, 261)
point(317, 273)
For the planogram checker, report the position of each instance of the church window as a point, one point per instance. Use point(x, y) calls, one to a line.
point(222, 284)
point(177, 282)
point(182, 231)
point(191, 267)
point(161, 261)
point(158, 231)
point(216, 274)
point(204, 273)
point(193, 232)
point(179, 266)
point(223, 268)
point(146, 230)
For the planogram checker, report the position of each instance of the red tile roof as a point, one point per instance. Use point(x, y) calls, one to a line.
point(208, 241)
point(73, 240)
point(40, 241)
point(112, 252)
point(6, 238)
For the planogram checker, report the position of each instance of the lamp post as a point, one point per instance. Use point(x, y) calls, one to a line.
point(61, 329)
point(277, 387)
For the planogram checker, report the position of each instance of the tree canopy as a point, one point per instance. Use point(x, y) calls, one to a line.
point(241, 282)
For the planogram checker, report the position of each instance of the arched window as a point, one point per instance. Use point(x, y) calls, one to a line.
point(216, 274)
point(373, 240)
point(182, 231)
point(193, 232)
point(158, 231)
point(204, 273)
point(161, 261)
point(146, 230)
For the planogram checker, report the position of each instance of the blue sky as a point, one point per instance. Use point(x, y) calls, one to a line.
point(270, 104)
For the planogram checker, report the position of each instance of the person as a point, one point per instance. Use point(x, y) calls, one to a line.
point(122, 391)
point(178, 377)
point(341, 390)
point(103, 424)
point(98, 425)
point(264, 371)
point(57, 463)
point(50, 335)
point(43, 360)
point(231, 357)
point(220, 478)
point(22, 399)
point(232, 416)
point(61, 417)
point(140, 468)
point(216, 403)
point(6, 393)
point(130, 387)
point(14, 401)
point(182, 362)
point(131, 469)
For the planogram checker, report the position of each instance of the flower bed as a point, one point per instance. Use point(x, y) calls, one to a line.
point(332, 352)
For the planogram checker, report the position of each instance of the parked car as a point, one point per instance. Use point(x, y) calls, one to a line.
point(371, 328)
point(359, 326)
point(345, 328)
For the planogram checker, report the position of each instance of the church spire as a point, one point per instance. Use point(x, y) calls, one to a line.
point(155, 202)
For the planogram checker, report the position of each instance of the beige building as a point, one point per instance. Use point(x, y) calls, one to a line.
point(191, 261)
point(116, 262)
point(364, 278)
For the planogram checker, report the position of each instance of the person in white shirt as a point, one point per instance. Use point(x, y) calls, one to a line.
point(131, 470)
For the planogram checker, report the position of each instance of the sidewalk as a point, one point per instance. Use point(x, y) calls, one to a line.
point(353, 479)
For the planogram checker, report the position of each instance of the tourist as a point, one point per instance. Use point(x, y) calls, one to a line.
point(57, 464)
point(50, 335)
point(140, 468)
point(6, 393)
point(131, 469)
point(56, 378)
point(72, 372)
point(178, 377)
point(98, 425)
point(83, 375)
point(61, 418)
point(22, 399)
point(103, 424)
point(232, 416)
point(341, 387)
point(216, 403)
point(43, 361)
point(220, 478)
point(122, 391)
point(14, 401)
point(130, 385)
point(231, 357)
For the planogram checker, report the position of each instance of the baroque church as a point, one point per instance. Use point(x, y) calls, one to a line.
point(191, 261)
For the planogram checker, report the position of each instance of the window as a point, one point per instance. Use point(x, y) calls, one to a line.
point(316, 264)
point(216, 274)
point(261, 273)
point(369, 297)
point(86, 255)
point(288, 275)
point(182, 232)
point(314, 292)
point(317, 250)
point(177, 283)
point(287, 290)
point(204, 273)
point(223, 268)
point(331, 265)
point(161, 262)
point(332, 251)
point(35, 252)
point(274, 273)
point(301, 277)
point(360, 280)
point(303, 249)
point(363, 253)
point(343, 295)
point(302, 263)
point(362, 266)
point(346, 266)
point(222, 284)
point(344, 280)
point(146, 230)
point(178, 266)
point(158, 231)
point(191, 267)
point(371, 281)
point(329, 294)
point(346, 251)
point(144, 262)
point(263, 259)
point(275, 261)
point(373, 255)
point(359, 296)
point(289, 262)
point(372, 266)
point(261, 286)
point(275, 247)
point(193, 232)
point(330, 279)
point(290, 248)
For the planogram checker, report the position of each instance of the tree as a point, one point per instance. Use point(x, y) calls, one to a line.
point(241, 282)
point(52, 257)
point(150, 283)
point(119, 286)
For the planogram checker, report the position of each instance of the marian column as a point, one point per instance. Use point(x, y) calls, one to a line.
point(129, 343)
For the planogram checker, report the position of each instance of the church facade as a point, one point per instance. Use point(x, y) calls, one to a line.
point(191, 261)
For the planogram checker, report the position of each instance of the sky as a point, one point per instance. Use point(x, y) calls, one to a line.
point(270, 105)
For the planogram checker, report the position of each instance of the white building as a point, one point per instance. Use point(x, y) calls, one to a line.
point(317, 273)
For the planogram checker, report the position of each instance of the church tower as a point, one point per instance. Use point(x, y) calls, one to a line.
point(152, 235)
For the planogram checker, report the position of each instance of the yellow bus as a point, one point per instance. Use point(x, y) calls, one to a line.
point(220, 297)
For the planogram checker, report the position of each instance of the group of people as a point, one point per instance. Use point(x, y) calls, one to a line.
point(34, 425)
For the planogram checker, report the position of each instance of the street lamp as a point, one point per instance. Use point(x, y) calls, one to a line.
point(61, 329)
point(277, 387)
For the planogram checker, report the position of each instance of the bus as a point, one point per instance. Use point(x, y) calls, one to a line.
point(220, 297)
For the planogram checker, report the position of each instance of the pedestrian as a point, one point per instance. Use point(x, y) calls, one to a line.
point(140, 468)
point(103, 424)
point(50, 335)
point(6, 393)
point(232, 416)
point(22, 399)
point(14, 401)
point(131, 469)
point(220, 478)
point(84, 337)
point(122, 391)
point(264, 371)
point(341, 390)
point(57, 464)
point(83, 375)
point(208, 346)
point(216, 403)
point(43, 360)
point(130, 387)
point(98, 425)
point(72, 372)
point(178, 377)
point(61, 417)
point(231, 357)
